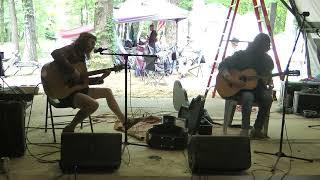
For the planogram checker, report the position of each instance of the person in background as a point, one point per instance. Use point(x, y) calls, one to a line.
point(152, 39)
point(254, 57)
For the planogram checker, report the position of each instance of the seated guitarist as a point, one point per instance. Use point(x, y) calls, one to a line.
point(85, 99)
point(255, 57)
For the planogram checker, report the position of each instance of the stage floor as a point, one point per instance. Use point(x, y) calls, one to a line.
point(139, 162)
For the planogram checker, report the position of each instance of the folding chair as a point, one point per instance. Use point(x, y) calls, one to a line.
point(154, 71)
point(197, 64)
point(57, 104)
point(229, 110)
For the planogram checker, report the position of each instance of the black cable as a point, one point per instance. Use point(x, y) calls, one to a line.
point(75, 172)
point(187, 162)
point(27, 139)
point(129, 157)
point(291, 154)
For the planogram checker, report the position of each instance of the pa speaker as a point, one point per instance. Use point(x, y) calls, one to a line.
point(214, 154)
point(90, 152)
point(12, 131)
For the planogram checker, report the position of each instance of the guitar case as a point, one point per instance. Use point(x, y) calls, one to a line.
point(167, 137)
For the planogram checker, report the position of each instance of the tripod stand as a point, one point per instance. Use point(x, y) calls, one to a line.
point(281, 154)
point(126, 58)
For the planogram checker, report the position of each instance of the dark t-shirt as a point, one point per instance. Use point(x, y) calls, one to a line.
point(240, 60)
point(153, 37)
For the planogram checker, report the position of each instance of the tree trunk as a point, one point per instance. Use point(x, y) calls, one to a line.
point(14, 26)
point(170, 28)
point(103, 14)
point(86, 12)
point(2, 25)
point(30, 50)
point(102, 11)
point(81, 16)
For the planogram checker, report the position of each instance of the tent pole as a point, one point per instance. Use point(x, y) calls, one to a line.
point(307, 53)
point(177, 30)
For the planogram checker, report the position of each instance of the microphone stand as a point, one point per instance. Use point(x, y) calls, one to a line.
point(126, 56)
point(281, 154)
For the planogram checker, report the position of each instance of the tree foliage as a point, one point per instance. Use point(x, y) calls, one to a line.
point(247, 6)
point(185, 4)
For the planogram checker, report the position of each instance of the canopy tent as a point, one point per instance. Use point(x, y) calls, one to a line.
point(135, 11)
point(311, 27)
point(73, 33)
point(149, 10)
point(152, 10)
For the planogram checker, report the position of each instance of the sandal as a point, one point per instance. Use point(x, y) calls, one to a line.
point(131, 122)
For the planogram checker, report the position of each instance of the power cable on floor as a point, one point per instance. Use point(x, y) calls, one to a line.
point(129, 157)
point(41, 160)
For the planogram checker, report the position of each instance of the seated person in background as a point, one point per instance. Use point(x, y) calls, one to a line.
point(85, 99)
point(253, 57)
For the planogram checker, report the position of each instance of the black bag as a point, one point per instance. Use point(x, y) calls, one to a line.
point(166, 136)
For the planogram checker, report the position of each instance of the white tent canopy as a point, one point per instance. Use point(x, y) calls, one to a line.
point(152, 10)
point(311, 26)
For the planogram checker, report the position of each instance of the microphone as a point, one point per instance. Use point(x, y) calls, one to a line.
point(99, 50)
point(305, 14)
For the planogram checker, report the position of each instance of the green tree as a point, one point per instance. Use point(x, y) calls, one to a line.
point(81, 11)
point(246, 6)
point(3, 34)
point(185, 4)
point(30, 37)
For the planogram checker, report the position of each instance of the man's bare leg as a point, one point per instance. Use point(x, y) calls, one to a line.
point(113, 105)
point(87, 106)
point(97, 93)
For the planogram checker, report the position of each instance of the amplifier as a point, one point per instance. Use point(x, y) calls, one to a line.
point(12, 131)
point(305, 101)
point(90, 151)
point(216, 154)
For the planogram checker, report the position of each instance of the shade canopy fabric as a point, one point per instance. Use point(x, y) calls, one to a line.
point(151, 10)
point(310, 8)
point(73, 33)
point(135, 11)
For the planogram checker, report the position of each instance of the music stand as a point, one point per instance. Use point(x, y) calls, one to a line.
point(281, 154)
point(126, 56)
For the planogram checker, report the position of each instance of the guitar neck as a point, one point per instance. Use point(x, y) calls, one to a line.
point(292, 73)
point(100, 71)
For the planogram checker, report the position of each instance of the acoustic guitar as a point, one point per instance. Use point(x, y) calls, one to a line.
point(249, 76)
point(57, 85)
